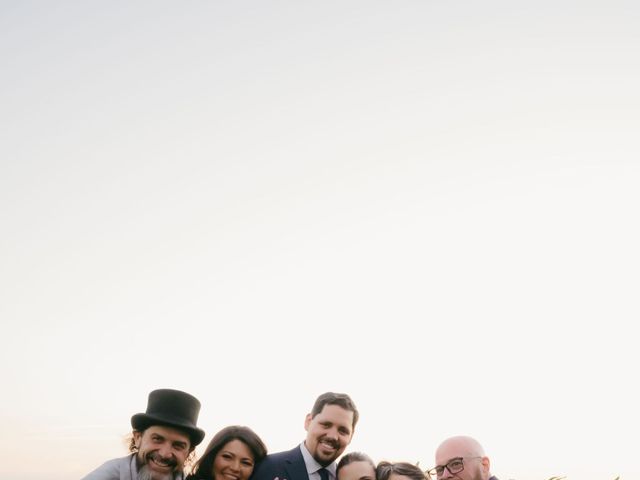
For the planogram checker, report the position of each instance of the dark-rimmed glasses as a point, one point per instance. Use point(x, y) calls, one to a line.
point(455, 465)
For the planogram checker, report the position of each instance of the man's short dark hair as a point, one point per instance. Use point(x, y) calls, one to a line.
point(341, 399)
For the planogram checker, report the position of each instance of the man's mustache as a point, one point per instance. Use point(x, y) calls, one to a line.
point(334, 443)
point(159, 459)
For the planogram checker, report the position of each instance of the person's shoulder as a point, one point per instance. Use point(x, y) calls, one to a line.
point(108, 470)
point(286, 453)
point(270, 466)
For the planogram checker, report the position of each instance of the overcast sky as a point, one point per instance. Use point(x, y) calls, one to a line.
point(429, 205)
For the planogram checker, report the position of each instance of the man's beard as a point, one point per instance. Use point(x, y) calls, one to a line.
point(326, 462)
point(145, 473)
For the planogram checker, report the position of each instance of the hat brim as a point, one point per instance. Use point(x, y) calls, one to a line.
point(142, 421)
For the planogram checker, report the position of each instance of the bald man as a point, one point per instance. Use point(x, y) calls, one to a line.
point(461, 458)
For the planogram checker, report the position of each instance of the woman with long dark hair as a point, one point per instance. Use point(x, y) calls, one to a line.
point(232, 454)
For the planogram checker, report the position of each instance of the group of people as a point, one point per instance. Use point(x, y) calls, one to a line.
point(164, 438)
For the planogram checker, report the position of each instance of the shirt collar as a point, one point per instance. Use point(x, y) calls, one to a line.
point(312, 465)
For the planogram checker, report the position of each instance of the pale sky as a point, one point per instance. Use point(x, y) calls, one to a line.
point(429, 205)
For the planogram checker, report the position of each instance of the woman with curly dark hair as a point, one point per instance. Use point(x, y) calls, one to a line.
point(232, 454)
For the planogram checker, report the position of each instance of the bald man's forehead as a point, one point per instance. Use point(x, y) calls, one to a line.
point(458, 447)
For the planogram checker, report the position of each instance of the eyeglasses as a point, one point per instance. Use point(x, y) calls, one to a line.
point(455, 465)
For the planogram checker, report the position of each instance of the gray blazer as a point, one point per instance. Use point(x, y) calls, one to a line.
point(124, 468)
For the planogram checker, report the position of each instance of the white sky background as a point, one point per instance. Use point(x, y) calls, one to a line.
point(430, 205)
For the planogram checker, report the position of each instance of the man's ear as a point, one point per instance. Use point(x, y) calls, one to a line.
point(137, 435)
point(486, 466)
point(307, 421)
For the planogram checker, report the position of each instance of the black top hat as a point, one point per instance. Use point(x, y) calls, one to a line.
point(171, 408)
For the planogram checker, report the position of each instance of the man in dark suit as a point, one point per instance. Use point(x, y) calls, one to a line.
point(461, 458)
point(329, 427)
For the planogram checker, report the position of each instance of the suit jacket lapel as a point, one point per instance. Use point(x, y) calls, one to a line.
point(295, 466)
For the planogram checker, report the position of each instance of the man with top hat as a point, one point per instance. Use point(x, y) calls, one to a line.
point(163, 438)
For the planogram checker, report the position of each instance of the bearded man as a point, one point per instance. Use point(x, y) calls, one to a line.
point(329, 427)
point(162, 440)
